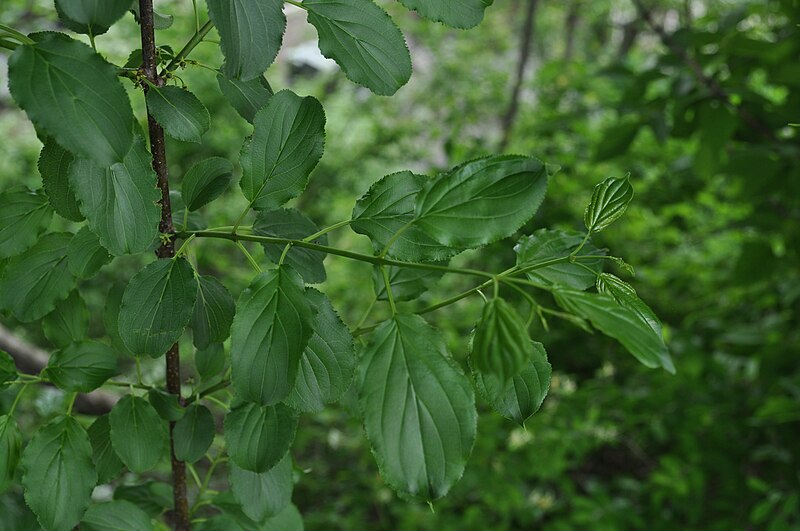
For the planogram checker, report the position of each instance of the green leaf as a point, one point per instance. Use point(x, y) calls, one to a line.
point(105, 459)
point(116, 516)
point(68, 323)
point(10, 449)
point(111, 317)
point(386, 209)
point(53, 166)
point(179, 112)
point(609, 200)
point(619, 322)
point(160, 21)
point(59, 474)
point(481, 201)
point(264, 494)
point(73, 95)
point(250, 34)
point(501, 346)
point(287, 142)
point(407, 283)
point(213, 313)
point(544, 245)
point(167, 405)
point(521, 396)
point(328, 362)
point(210, 362)
point(120, 201)
point(259, 436)
point(8, 369)
point(36, 280)
point(616, 139)
point(247, 97)
point(82, 366)
point(625, 295)
point(272, 326)
point(194, 433)
point(24, 215)
point(364, 40)
point(293, 224)
point(418, 406)
point(137, 433)
point(288, 519)
point(85, 255)
point(206, 181)
point(92, 17)
point(461, 14)
point(157, 306)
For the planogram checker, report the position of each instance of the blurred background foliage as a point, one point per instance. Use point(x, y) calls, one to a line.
point(699, 100)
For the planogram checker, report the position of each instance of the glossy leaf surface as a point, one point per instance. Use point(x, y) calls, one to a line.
point(60, 82)
point(328, 362)
point(364, 41)
point(287, 142)
point(271, 329)
point(59, 474)
point(157, 306)
point(418, 406)
point(259, 436)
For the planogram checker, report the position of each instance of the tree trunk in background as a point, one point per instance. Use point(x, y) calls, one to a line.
point(570, 27)
point(507, 123)
point(629, 33)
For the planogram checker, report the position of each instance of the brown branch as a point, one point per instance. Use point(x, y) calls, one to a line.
point(165, 250)
point(510, 116)
point(30, 359)
point(713, 86)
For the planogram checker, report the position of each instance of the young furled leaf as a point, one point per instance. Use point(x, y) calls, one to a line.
point(625, 295)
point(264, 494)
point(36, 280)
point(287, 142)
point(53, 166)
point(8, 369)
point(463, 14)
point(609, 200)
point(387, 209)
point(179, 112)
point(59, 474)
point(119, 201)
point(247, 97)
point(521, 396)
point(501, 346)
point(206, 181)
point(545, 244)
point(137, 433)
point(481, 201)
point(82, 366)
point(328, 363)
point(418, 406)
point(293, 224)
point(213, 313)
point(620, 322)
point(194, 433)
point(24, 215)
point(85, 255)
point(259, 436)
point(270, 331)
point(250, 34)
point(59, 81)
point(68, 323)
point(362, 38)
point(157, 305)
